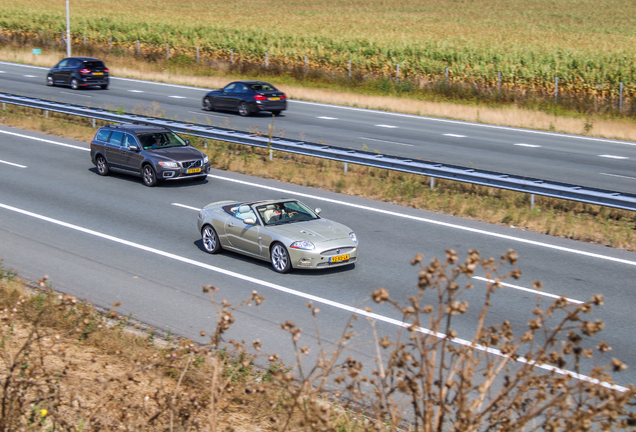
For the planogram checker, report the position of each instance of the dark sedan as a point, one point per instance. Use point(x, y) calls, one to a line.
point(246, 97)
point(78, 72)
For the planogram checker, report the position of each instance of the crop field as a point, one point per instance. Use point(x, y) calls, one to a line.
point(589, 44)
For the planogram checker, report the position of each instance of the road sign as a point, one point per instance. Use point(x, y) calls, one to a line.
point(36, 51)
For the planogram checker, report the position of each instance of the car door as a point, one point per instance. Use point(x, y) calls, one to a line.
point(58, 72)
point(243, 236)
point(239, 95)
point(223, 101)
point(69, 70)
point(131, 159)
point(115, 154)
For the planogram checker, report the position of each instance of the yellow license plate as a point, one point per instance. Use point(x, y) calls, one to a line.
point(193, 170)
point(339, 258)
point(98, 73)
point(274, 98)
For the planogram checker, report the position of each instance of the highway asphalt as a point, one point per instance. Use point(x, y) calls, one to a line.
point(587, 161)
point(111, 239)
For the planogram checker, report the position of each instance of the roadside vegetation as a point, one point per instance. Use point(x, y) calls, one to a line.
point(578, 221)
point(66, 366)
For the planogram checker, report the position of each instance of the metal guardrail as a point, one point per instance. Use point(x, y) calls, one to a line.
point(432, 169)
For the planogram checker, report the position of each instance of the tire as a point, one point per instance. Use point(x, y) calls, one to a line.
point(244, 109)
point(279, 257)
point(49, 81)
point(149, 176)
point(208, 104)
point(74, 84)
point(102, 165)
point(210, 239)
point(104, 86)
point(276, 112)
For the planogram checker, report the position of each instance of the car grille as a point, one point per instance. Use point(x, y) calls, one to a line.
point(192, 164)
point(337, 251)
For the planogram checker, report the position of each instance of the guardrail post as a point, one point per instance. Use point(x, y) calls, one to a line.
point(93, 123)
point(3, 107)
point(397, 73)
point(167, 50)
point(138, 47)
point(231, 56)
point(432, 183)
point(531, 201)
point(205, 143)
point(620, 98)
point(110, 42)
point(84, 40)
point(345, 167)
point(305, 64)
point(46, 113)
point(266, 60)
point(197, 53)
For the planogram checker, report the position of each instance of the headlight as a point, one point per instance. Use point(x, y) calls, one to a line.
point(205, 160)
point(353, 237)
point(303, 245)
point(168, 164)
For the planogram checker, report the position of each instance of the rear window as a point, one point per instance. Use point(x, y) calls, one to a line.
point(103, 135)
point(262, 87)
point(94, 65)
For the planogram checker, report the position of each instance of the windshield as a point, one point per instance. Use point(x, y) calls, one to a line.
point(161, 140)
point(285, 212)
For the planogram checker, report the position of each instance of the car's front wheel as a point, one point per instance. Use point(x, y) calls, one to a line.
point(208, 104)
point(210, 240)
point(102, 165)
point(244, 109)
point(281, 262)
point(49, 81)
point(74, 84)
point(149, 176)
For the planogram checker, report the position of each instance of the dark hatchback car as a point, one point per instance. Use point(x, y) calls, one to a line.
point(153, 153)
point(246, 97)
point(78, 72)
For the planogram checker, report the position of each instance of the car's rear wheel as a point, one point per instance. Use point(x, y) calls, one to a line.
point(276, 112)
point(208, 104)
point(74, 84)
point(102, 165)
point(244, 109)
point(281, 262)
point(149, 176)
point(49, 81)
point(210, 240)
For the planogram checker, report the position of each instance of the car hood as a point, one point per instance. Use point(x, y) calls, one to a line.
point(315, 231)
point(178, 153)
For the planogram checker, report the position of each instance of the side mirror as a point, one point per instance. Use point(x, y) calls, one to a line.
point(249, 221)
point(133, 148)
point(318, 210)
point(187, 141)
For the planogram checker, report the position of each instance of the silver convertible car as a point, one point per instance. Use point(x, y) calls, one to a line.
point(285, 232)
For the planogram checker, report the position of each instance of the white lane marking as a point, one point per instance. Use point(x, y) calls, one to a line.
point(455, 135)
point(29, 76)
point(531, 290)
point(527, 145)
point(206, 114)
point(310, 297)
point(386, 126)
point(434, 222)
point(136, 91)
point(186, 206)
point(13, 164)
point(464, 123)
point(45, 140)
point(387, 212)
point(613, 157)
point(76, 94)
point(619, 176)
point(177, 97)
point(388, 142)
point(2, 72)
point(327, 118)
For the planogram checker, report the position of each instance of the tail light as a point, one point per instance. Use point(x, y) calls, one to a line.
point(106, 70)
point(260, 97)
point(283, 97)
point(85, 71)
